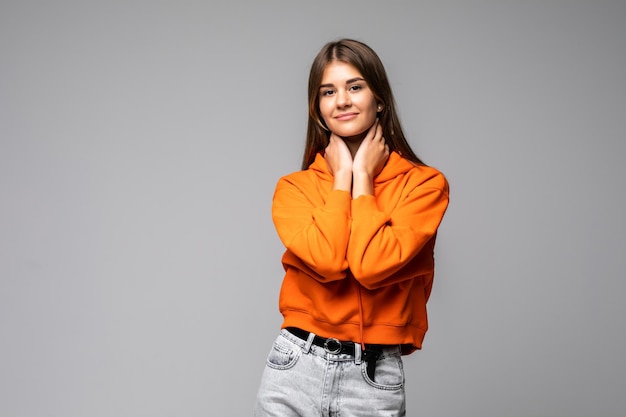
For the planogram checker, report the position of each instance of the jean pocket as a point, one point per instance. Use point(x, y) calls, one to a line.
point(283, 356)
point(389, 373)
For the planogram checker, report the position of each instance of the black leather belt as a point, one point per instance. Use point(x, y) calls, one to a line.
point(370, 355)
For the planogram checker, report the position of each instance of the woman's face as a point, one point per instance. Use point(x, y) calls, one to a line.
point(346, 102)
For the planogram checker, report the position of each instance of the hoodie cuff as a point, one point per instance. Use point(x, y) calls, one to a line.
point(339, 201)
point(364, 206)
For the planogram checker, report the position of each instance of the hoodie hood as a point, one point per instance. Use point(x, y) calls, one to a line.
point(395, 166)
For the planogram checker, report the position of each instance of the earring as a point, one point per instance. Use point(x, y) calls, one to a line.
point(379, 108)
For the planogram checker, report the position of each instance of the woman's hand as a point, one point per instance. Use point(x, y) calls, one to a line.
point(339, 161)
point(372, 154)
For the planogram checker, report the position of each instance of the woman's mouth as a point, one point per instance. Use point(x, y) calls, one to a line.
point(346, 116)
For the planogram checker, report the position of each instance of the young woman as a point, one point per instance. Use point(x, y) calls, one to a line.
point(359, 224)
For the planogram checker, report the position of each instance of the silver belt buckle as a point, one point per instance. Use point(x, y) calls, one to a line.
point(332, 345)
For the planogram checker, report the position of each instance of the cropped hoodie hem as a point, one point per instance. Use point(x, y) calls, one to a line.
point(411, 336)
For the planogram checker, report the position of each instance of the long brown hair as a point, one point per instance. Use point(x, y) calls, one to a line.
point(365, 60)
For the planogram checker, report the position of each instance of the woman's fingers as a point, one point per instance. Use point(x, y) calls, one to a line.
point(337, 155)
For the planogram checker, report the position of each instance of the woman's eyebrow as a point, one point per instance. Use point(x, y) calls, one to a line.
point(350, 81)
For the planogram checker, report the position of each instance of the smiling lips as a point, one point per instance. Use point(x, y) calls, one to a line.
point(346, 116)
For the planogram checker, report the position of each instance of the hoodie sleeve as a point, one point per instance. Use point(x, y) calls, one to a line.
point(381, 244)
point(314, 230)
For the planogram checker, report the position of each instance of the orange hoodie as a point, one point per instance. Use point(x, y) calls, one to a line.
point(362, 269)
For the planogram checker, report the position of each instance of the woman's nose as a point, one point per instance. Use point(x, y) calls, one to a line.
point(343, 99)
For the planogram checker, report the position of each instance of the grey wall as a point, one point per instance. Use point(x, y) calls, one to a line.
point(140, 143)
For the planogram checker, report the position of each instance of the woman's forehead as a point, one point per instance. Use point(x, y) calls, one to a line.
point(339, 71)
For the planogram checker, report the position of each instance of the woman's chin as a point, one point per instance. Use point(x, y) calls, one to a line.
point(351, 136)
point(353, 132)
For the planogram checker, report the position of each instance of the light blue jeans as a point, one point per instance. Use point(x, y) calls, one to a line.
point(304, 380)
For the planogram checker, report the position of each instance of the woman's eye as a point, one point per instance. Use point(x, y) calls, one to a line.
point(355, 87)
point(327, 92)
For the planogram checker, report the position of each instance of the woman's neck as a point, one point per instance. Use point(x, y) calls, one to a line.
point(353, 142)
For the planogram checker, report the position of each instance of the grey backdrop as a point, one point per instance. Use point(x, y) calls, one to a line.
point(140, 143)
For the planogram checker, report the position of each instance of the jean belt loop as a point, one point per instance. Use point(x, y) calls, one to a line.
point(309, 343)
point(357, 353)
